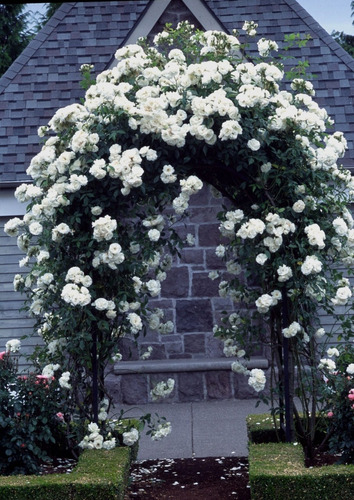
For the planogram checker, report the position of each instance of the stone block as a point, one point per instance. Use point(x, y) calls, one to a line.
point(158, 350)
point(201, 198)
point(212, 261)
point(113, 387)
point(242, 389)
point(190, 387)
point(203, 286)
point(193, 316)
point(128, 349)
point(177, 283)
point(203, 214)
point(218, 385)
point(134, 389)
point(209, 235)
point(193, 256)
point(194, 343)
point(214, 347)
point(173, 348)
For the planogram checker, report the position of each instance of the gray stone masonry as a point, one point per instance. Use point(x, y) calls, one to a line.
point(191, 300)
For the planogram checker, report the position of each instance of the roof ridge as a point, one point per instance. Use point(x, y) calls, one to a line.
point(322, 34)
point(35, 44)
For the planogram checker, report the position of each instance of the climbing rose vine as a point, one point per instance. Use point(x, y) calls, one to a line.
point(192, 108)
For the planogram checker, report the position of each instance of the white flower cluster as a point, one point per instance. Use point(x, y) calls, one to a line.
point(147, 353)
point(284, 273)
point(102, 304)
point(49, 370)
point(112, 257)
point(276, 227)
point(95, 440)
point(13, 345)
point(350, 369)
point(162, 389)
point(189, 186)
point(230, 349)
point(76, 275)
point(64, 380)
point(265, 46)
point(59, 231)
point(130, 437)
point(315, 235)
point(75, 295)
point(250, 27)
point(162, 430)
point(135, 322)
point(103, 228)
point(227, 228)
point(168, 175)
point(311, 265)
point(327, 364)
point(343, 294)
point(251, 228)
point(239, 367)
point(257, 379)
point(266, 301)
point(293, 329)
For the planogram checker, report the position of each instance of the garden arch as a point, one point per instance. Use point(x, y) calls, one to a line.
point(102, 181)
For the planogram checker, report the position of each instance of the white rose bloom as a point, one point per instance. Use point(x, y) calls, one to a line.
point(266, 167)
point(96, 210)
point(64, 380)
point(13, 345)
point(253, 144)
point(220, 251)
point(299, 206)
point(264, 302)
point(131, 437)
point(35, 228)
point(154, 287)
point(135, 322)
point(154, 235)
point(327, 364)
point(292, 330)
point(103, 228)
point(261, 259)
point(311, 265)
point(343, 294)
point(340, 226)
point(350, 369)
point(257, 379)
point(332, 351)
point(284, 273)
point(162, 431)
point(320, 333)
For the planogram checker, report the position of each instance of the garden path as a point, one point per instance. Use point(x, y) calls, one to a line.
point(199, 429)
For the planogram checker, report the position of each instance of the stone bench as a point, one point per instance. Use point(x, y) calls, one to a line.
point(184, 365)
point(196, 379)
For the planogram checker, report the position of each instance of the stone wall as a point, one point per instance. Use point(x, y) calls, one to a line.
point(191, 300)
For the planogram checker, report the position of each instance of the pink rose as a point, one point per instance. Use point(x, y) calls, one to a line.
point(2, 354)
point(330, 414)
point(60, 415)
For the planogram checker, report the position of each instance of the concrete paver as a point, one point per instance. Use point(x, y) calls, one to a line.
point(199, 429)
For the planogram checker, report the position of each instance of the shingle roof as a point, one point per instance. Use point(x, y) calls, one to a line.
point(46, 75)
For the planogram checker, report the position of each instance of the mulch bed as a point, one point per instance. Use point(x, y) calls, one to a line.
point(190, 479)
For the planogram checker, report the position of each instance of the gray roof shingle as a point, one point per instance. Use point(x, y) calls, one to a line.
point(46, 75)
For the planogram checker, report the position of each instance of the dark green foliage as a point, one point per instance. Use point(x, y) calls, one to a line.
point(276, 469)
point(100, 475)
point(14, 34)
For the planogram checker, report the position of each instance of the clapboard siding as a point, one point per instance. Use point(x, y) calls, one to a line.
point(14, 323)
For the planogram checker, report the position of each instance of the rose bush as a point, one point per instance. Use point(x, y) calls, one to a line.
point(194, 107)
